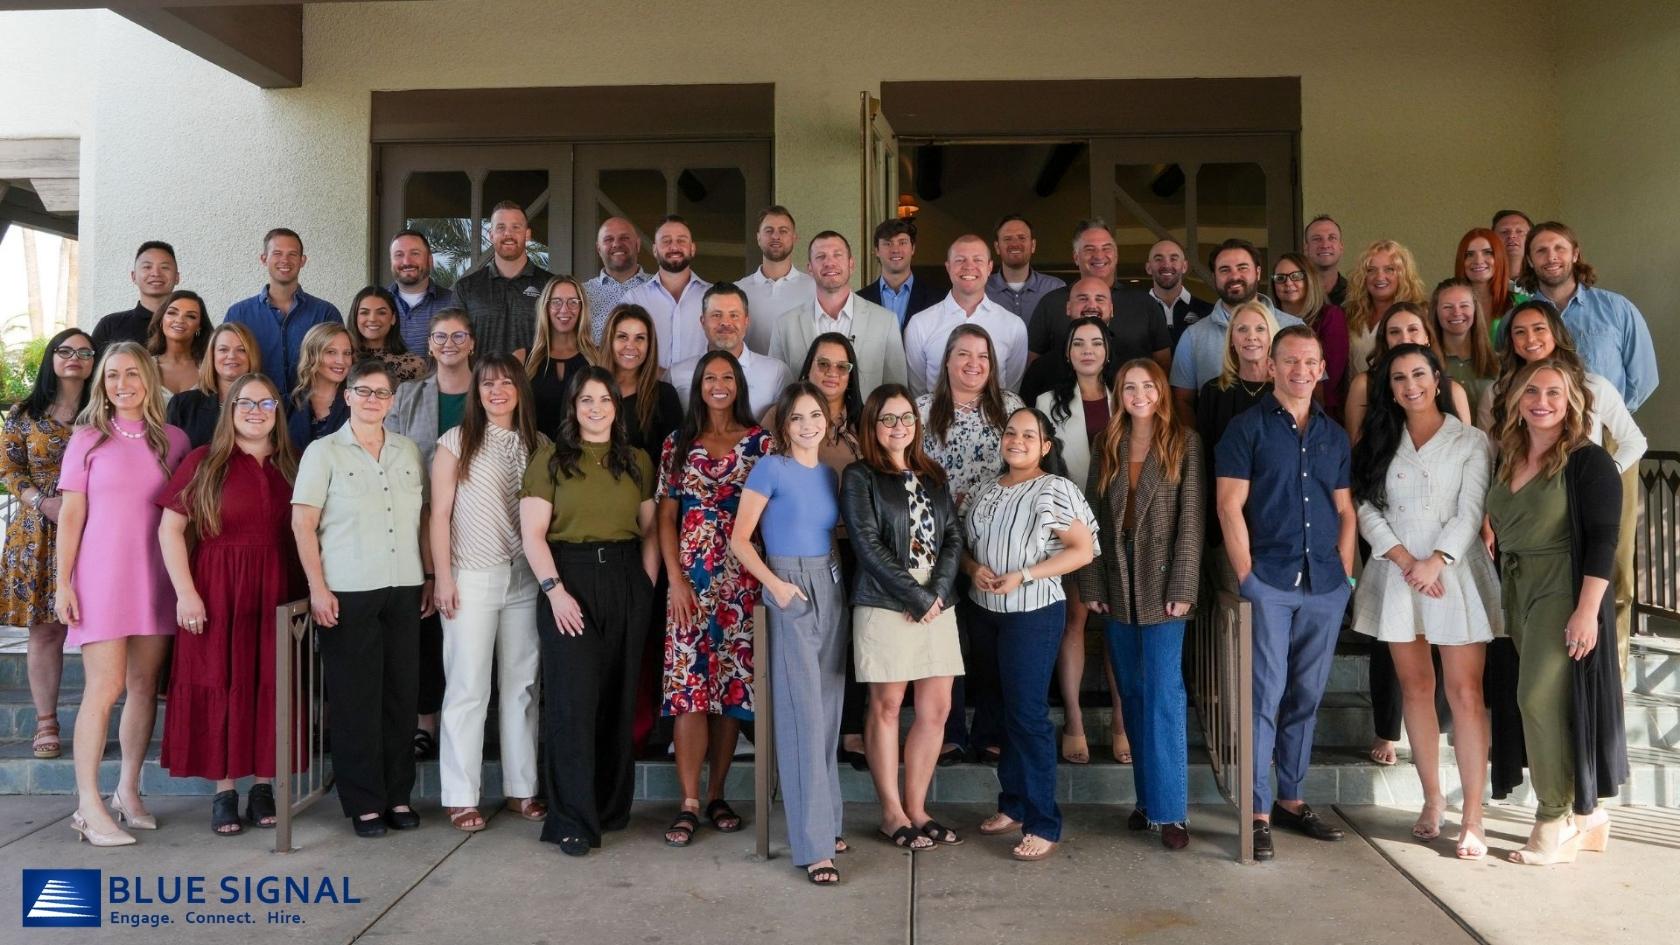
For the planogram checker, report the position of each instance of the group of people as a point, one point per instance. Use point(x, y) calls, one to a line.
point(587, 487)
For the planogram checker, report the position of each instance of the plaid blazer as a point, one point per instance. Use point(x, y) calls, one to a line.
point(1168, 529)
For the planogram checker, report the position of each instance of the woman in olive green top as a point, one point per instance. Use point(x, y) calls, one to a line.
point(586, 521)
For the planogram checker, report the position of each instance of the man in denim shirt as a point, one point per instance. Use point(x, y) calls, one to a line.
point(1288, 518)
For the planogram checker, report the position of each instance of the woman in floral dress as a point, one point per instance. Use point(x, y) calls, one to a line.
point(708, 644)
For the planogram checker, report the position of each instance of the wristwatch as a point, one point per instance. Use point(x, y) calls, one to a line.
point(549, 584)
point(40, 497)
point(1446, 556)
point(1027, 577)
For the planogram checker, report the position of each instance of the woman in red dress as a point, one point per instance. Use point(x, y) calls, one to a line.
point(236, 495)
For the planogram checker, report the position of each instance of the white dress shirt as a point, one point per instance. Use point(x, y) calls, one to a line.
point(766, 377)
point(925, 336)
point(676, 321)
point(768, 298)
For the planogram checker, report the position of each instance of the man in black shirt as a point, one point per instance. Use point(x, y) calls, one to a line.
point(155, 275)
point(501, 295)
point(1166, 298)
point(1129, 336)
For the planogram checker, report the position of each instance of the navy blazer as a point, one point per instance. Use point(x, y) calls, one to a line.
point(922, 295)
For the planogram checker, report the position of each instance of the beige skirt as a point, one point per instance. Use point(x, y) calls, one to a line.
point(889, 647)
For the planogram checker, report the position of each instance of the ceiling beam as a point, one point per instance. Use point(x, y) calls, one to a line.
point(262, 44)
point(39, 157)
point(58, 194)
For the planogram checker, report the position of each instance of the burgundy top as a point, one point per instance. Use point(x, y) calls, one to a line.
point(1096, 418)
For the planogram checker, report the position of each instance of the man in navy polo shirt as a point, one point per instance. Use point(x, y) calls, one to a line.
point(281, 313)
point(1286, 508)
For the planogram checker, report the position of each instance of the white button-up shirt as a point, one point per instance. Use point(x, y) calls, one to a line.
point(676, 321)
point(768, 298)
point(925, 336)
point(766, 377)
point(841, 323)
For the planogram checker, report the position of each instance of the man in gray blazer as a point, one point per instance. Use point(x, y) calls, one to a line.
point(872, 329)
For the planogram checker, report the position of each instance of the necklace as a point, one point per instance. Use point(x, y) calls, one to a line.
point(1255, 391)
point(132, 436)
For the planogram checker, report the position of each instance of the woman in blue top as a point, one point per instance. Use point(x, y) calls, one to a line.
point(795, 495)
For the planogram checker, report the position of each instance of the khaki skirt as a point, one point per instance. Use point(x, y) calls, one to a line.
point(889, 647)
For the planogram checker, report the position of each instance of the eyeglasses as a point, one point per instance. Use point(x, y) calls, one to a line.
point(266, 405)
point(891, 420)
point(379, 393)
point(66, 352)
point(1282, 277)
point(575, 305)
point(441, 338)
point(824, 366)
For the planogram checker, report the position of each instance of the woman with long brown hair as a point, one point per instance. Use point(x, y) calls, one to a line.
point(1385, 273)
point(236, 496)
point(1402, 323)
point(372, 321)
point(1150, 498)
point(560, 347)
point(1460, 323)
point(177, 336)
point(230, 354)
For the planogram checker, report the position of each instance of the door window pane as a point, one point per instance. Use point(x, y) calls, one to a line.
point(713, 201)
point(1231, 204)
point(439, 204)
point(636, 194)
point(1147, 199)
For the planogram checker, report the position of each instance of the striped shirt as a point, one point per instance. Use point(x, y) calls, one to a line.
point(1013, 527)
point(485, 517)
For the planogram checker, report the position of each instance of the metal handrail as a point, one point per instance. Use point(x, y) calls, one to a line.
point(301, 775)
point(1221, 657)
point(1656, 550)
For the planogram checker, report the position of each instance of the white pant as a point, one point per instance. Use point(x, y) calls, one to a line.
point(497, 616)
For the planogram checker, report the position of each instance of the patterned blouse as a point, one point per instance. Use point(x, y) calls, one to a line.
point(924, 538)
point(972, 451)
point(485, 519)
point(404, 367)
point(1008, 528)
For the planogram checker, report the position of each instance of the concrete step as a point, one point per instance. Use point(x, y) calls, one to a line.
point(1653, 666)
point(17, 713)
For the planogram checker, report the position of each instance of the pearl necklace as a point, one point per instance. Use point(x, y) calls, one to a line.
point(132, 436)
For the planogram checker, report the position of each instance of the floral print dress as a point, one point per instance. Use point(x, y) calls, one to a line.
point(30, 453)
point(708, 658)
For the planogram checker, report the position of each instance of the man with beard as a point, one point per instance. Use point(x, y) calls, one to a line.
point(1200, 354)
point(501, 295)
point(725, 323)
point(620, 248)
point(155, 275)
point(1324, 249)
point(674, 298)
point(281, 313)
point(872, 329)
point(1141, 334)
point(775, 286)
point(1167, 298)
point(418, 297)
point(1016, 285)
point(1610, 333)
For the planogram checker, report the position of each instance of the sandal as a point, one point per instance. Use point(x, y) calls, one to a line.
point(259, 806)
point(1470, 843)
point(998, 824)
point(1122, 752)
point(1029, 849)
point(683, 825)
point(224, 814)
point(46, 743)
point(1382, 752)
point(939, 833)
point(841, 846)
point(425, 744)
point(906, 837)
point(722, 816)
point(530, 808)
point(1428, 827)
point(1076, 750)
point(822, 875)
point(466, 819)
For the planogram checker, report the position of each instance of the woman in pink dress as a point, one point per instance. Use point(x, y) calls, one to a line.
point(113, 592)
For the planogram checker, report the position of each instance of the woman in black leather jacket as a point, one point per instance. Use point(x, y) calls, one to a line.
point(908, 541)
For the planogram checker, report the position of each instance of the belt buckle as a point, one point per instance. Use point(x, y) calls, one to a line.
point(600, 554)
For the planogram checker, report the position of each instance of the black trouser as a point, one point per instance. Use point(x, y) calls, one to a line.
point(369, 661)
point(856, 698)
point(978, 687)
point(430, 696)
point(589, 689)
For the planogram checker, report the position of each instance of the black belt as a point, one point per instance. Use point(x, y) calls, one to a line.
point(597, 552)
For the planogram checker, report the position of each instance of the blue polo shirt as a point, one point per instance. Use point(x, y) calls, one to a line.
point(280, 334)
point(1292, 480)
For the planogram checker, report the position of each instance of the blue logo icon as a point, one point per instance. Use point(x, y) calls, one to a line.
point(61, 898)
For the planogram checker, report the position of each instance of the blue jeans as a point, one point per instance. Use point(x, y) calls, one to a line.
point(977, 687)
point(1148, 666)
point(1027, 644)
point(1294, 645)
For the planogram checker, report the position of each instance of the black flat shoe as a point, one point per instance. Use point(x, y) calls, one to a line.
point(1305, 821)
point(857, 759)
point(370, 827)
point(1175, 836)
point(402, 819)
point(259, 806)
point(950, 756)
point(574, 846)
point(1263, 840)
point(1137, 820)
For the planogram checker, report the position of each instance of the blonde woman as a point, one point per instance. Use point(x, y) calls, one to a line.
point(1385, 273)
point(112, 591)
point(559, 348)
point(231, 354)
point(316, 408)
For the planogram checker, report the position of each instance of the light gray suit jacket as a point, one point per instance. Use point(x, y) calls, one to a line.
point(875, 337)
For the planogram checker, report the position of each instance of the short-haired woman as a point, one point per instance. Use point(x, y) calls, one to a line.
point(795, 496)
point(317, 408)
point(372, 321)
point(1023, 531)
point(230, 355)
point(559, 348)
point(356, 519)
point(32, 444)
point(586, 520)
point(236, 496)
point(119, 459)
point(1150, 499)
point(176, 337)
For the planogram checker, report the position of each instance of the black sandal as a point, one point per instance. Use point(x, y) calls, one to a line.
point(907, 837)
point(259, 806)
point(684, 823)
point(841, 846)
point(823, 875)
point(224, 812)
point(425, 744)
point(719, 812)
point(939, 833)
point(950, 756)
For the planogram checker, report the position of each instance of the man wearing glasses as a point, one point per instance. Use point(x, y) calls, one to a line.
point(723, 318)
point(872, 329)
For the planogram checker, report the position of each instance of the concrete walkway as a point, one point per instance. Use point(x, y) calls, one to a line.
point(437, 885)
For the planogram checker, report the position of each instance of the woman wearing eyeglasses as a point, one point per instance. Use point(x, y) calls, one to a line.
point(559, 350)
point(231, 354)
point(373, 327)
point(1300, 295)
point(317, 406)
point(356, 518)
point(236, 494)
point(32, 445)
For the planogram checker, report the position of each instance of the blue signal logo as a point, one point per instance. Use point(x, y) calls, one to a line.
point(61, 898)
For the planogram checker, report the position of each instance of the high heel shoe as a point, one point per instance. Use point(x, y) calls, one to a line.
point(1551, 841)
point(116, 838)
point(137, 821)
point(1471, 846)
point(1596, 839)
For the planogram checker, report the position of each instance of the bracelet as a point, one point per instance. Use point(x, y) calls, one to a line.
point(40, 497)
point(1353, 581)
